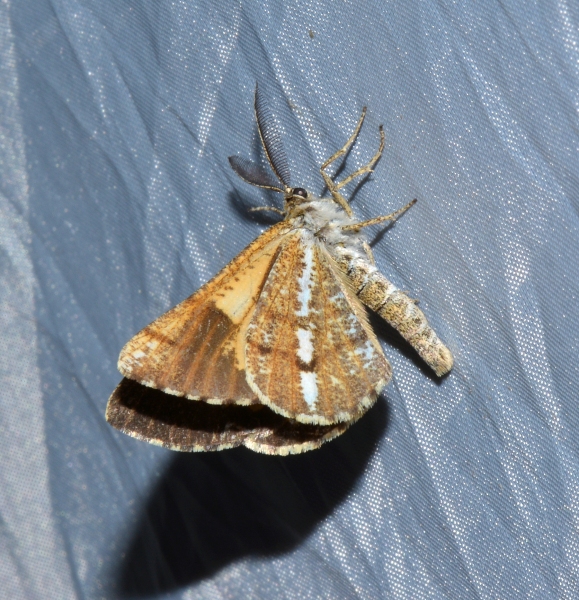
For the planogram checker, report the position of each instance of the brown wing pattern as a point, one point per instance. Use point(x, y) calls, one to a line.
point(179, 424)
point(310, 354)
point(197, 348)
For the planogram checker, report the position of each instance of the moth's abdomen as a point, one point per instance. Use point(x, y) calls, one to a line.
point(397, 309)
point(401, 312)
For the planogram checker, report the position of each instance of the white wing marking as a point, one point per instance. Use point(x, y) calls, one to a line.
point(305, 348)
point(305, 282)
point(309, 388)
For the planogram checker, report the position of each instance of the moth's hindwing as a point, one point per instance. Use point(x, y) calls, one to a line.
point(310, 354)
point(179, 424)
point(197, 349)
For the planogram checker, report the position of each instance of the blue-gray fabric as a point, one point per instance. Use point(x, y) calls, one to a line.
point(117, 201)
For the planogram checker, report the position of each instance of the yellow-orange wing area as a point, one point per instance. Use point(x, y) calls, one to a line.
point(310, 352)
point(197, 349)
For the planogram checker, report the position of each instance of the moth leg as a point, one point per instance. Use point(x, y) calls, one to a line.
point(345, 147)
point(332, 187)
point(367, 168)
point(271, 208)
point(391, 217)
point(368, 252)
point(336, 195)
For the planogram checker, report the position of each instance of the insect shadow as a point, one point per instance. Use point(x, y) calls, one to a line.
point(210, 510)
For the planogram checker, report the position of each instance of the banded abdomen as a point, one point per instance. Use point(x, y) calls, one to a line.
point(395, 307)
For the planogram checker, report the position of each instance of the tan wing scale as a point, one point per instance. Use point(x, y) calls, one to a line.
point(310, 354)
point(197, 348)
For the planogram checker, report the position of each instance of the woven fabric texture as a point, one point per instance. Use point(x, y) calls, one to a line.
point(117, 201)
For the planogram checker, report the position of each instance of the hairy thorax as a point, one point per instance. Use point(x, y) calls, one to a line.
point(325, 220)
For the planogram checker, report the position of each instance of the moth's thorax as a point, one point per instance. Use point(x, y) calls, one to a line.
point(325, 219)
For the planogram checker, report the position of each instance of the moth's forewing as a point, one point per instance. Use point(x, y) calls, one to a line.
point(181, 424)
point(197, 349)
point(310, 354)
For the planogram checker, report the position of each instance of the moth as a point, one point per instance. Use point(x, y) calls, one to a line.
point(275, 352)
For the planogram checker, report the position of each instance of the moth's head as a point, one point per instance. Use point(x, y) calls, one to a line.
point(294, 198)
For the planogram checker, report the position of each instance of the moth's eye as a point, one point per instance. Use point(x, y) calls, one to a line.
point(300, 192)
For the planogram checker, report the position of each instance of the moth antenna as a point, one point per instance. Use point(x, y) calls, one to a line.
point(253, 173)
point(271, 140)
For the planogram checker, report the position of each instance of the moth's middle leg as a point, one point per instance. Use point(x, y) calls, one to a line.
point(391, 217)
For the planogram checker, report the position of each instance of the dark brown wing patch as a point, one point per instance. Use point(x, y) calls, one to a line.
point(180, 424)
